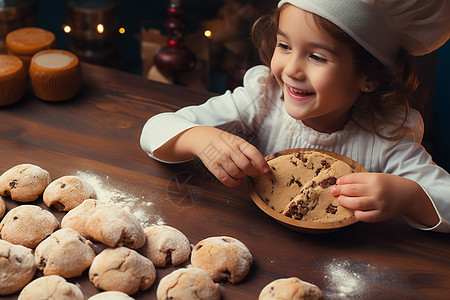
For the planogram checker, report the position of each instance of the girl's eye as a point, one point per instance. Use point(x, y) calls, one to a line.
point(318, 59)
point(283, 46)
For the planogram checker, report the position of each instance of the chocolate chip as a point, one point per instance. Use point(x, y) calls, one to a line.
point(325, 164)
point(59, 206)
point(331, 209)
point(13, 184)
point(294, 211)
point(226, 276)
point(328, 182)
point(296, 181)
point(292, 180)
point(63, 185)
point(168, 257)
point(318, 171)
point(18, 259)
point(42, 263)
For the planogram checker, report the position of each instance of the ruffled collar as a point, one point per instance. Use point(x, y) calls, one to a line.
point(320, 139)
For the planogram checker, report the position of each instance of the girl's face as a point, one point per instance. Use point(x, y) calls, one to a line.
point(316, 73)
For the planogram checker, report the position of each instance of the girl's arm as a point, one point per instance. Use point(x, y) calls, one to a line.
point(378, 197)
point(228, 157)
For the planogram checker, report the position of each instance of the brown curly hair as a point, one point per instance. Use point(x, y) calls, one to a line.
point(395, 88)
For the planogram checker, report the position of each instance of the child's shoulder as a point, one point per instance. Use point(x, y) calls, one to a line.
point(257, 75)
point(260, 81)
point(413, 126)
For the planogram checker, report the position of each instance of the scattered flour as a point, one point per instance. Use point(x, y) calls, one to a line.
point(134, 205)
point(346, 278)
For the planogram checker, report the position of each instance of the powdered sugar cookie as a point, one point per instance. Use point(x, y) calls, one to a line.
point(68, 192)
point(114, 226)
point(24, 182)
point(122, 269)
point(27, 225)
point(111, 295)
point(51, 287)
point(17, 267)
point(223, 258)
point(290, 289)
point(65, 253)
point(188, 284)
point(77, 217)
point(166, 245)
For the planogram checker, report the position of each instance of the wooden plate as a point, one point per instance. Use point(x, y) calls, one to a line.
point(299, 225)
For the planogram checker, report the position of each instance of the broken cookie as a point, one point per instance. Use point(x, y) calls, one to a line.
point(299, 184)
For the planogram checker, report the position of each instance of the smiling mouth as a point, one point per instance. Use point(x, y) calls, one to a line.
point(297, 93)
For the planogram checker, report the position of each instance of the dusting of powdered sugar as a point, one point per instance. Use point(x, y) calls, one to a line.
point(139, 207)
point(346, 278)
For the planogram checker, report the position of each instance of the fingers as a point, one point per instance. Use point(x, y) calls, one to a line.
point(238, 165)
point(353, 190)
point(225, 178)
point(232, 158)
point(370, 216)
point(357, 203)
point(353, 178)
point(253, 154)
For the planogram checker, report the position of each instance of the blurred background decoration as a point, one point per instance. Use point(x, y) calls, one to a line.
point(15, 14)
point(92, 28)
point(126, 35)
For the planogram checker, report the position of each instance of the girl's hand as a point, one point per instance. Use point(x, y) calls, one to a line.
point(377, 197)
point(229, 157)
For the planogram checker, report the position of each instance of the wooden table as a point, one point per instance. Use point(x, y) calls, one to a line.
point(97, 134)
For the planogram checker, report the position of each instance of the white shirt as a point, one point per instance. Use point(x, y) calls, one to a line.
point(256, 112)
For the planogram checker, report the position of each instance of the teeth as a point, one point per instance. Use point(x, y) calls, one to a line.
point(298, 91)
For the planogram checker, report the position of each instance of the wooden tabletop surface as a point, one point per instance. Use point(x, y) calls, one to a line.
point(96, 135)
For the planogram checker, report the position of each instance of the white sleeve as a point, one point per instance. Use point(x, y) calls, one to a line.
point(230, 108)
point(407, 158)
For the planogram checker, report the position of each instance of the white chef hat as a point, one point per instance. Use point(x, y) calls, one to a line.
point(383, 26)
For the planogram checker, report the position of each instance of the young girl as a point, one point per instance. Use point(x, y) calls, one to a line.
point(339, 80)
